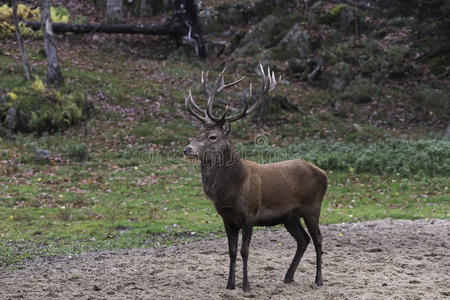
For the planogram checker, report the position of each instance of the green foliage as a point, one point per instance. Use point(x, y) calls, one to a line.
point(435, 18)
point(393, 156)
point(332, 15)
point(360, 90)
point(39, 110)
point(58, 14)
point(76, 151)
point(384, 63)
point(435, 100)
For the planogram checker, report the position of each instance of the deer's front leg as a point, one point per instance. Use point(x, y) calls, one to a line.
point(232, 234)
point(247, 230)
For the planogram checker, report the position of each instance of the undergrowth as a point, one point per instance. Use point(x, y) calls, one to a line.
point(391, 156)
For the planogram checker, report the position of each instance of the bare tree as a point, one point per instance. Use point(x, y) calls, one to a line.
point(23, 55)
point(114, 11)
point(54, 73)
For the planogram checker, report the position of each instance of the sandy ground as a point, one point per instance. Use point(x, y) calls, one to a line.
point(375, 260)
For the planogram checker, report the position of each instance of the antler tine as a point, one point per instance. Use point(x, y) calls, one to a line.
point(188, 101)
point(195, 105)
point(243, 112)
point(224, 86)
point(220, 86)
point(224, 113)
point(204, 81)
point(268, 84)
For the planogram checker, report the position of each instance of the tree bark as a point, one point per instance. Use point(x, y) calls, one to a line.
point(153, 29)
point(114, 11)
point(23, 55)
point(187, 15)
point(54, 76)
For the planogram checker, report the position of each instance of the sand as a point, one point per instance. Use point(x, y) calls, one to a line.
point(388, 259)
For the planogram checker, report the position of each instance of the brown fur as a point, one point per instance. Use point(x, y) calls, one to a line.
point(247, 194)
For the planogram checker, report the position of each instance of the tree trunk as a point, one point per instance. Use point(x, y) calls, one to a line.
point(114, 11)
point(186, 12)
point(23, 55)
point(153, 29)
point(54, 76)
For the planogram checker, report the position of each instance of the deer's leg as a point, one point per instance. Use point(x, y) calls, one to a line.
point(247, 230)
point(232, 234)
point(296, 230)
point(312, 223)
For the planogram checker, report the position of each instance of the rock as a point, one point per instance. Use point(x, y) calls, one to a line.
point(42, 154)
point(22, 121)
point(247, 49)
point(11, 118)
point(342, 16)
point(338, 76)
point(267, 33)
point(295, 44)
point(297, 66)
point(215, 48)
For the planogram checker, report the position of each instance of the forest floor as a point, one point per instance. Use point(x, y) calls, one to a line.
point(384, 259)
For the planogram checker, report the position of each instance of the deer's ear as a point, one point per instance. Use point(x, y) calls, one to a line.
point(227, 127)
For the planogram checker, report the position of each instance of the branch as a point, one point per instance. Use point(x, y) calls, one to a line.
point(152, 29)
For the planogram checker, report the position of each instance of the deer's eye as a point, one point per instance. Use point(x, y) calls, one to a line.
point(213, 137)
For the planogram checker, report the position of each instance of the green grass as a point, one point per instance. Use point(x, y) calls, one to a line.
point(48, 209)
point(117, 180)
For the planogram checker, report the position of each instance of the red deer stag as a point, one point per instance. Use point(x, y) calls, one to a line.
point(247, 194)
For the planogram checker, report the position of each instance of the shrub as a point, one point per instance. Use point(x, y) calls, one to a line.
point(76, 151)
point(428, 99)
point(24, 13)
point(36, 109)
point(392, 156)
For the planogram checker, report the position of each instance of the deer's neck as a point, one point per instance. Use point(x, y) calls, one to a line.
point(222, 178)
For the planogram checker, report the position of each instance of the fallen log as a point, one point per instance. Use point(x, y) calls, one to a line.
point(152, 29)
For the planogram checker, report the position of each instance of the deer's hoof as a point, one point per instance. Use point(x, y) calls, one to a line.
point(288, 280)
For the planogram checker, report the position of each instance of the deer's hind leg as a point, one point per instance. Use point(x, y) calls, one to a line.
point(312, 223)
point(294, 227)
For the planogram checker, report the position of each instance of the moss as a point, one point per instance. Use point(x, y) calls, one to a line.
point(438, 64)
point(343, 16)
point(331, 16)
point(44, 110)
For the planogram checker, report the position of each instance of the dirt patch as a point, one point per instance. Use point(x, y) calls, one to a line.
point(386, 259)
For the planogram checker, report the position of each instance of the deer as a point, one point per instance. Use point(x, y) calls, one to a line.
point(247, 194)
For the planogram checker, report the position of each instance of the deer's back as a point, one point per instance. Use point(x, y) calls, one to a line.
point(284, 188)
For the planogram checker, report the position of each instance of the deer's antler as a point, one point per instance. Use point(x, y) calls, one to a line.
point(206, 116)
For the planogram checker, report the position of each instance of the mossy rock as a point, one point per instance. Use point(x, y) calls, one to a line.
point(43, 111)
point(338, 76)
point(295, 44)
point(271, 30)
point(344, 17)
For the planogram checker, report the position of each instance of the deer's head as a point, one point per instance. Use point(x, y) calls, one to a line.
point(212, 139)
